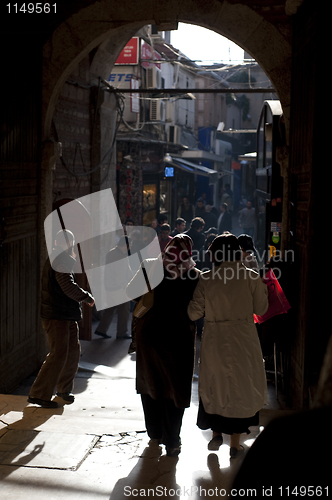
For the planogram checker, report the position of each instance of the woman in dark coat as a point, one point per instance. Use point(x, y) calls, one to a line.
point(165, 338)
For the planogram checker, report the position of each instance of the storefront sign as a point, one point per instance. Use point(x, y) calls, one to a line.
point(275, 227)
point(148, 56)
point(121, 78)
point(130, 53)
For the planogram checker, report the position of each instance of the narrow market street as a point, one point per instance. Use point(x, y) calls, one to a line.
point(97, 447)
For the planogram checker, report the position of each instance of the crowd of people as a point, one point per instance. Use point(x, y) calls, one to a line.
point(226, 292)
point(207, 276)
point(232, 382)
point(210, 279)
point(202, 221)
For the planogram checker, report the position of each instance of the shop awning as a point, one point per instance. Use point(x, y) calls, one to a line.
point(188, 166)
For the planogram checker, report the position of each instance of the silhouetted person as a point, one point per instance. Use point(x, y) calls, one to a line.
point(180, 226)
point(247, 219)
point(186, 211)
point(225, 219)
point(297, 464)
point(196, 233)
point(61, 310)
point(164, 342)
point(200, 208)
point(161, 219)
point(164, 236)
point(209, 218)
point(248, 251)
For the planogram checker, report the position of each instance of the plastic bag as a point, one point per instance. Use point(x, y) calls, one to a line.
point(278, 303)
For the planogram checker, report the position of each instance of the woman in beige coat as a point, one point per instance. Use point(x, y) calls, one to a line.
point(232, 382)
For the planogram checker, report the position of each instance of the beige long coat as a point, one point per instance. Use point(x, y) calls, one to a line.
point(232, 380)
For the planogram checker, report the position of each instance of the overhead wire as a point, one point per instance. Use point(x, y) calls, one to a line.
point(120, 103)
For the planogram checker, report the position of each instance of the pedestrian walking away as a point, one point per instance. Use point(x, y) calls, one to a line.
point(186, 211)
point(225, 219)
point(61, 311)
point(210, 219)
point(232, 381)
point(247, 220)
point(161, 219)
point(164, 342)
point(195, 232)
point(248, 251)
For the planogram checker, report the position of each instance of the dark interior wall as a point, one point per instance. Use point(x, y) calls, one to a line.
point(310, 335)
point(19, 215)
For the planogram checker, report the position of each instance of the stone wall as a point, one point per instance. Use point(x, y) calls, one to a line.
point(310, 336)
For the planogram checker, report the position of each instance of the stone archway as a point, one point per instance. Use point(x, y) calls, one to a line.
point(265, 33)
point(102, 29)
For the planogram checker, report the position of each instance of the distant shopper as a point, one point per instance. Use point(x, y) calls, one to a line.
point(209, 218)
point(225, 219)
point(213, 209)
point(200, 208)
point(186, 211)
point(202, 198)
point(180, 226)
point(195, 232)
point(248, 252)
point(227, 197)
point(164, 236)
point(232, 381)
point(60, 312)
point(161, 219)
point(204, 262)
point(247, 219)
point(154, 224)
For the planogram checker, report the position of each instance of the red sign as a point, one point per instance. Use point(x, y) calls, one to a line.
point(149, 55)
point(236, 165)
point(130, 53)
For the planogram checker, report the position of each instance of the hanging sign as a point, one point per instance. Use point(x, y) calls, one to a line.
point(130, 53)
point(149, 55)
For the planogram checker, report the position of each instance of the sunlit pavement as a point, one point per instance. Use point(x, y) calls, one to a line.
point(97, 447)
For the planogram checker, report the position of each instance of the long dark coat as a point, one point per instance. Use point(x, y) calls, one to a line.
point(165, 342)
